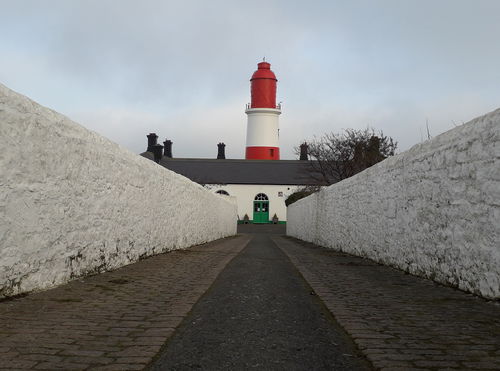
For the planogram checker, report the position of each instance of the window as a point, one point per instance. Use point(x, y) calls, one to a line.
point(222, 192)
point(261, 197)
point(280, 194)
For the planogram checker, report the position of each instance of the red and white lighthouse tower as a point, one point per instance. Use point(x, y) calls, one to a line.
point(263, 114)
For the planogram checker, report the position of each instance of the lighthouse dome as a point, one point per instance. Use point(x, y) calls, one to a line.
point(264, 72)
point(263, 87)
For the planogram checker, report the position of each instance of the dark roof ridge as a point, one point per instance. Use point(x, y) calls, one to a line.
point(231, 160)
point(241, 171)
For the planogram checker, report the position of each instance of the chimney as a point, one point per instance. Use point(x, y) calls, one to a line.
point(303, 152)
point(151, 141)
point(167, 148)
point(157, 152)
point(221, 155)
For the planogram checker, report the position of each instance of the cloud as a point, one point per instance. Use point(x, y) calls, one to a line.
point(125, 68)
point(195, 132)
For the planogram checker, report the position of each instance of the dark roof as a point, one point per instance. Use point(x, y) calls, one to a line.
point(212, 171)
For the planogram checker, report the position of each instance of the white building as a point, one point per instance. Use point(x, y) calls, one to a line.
point(260, 186)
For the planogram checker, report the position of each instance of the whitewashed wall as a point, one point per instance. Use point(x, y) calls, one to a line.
point(433, 211)
point(74, 203)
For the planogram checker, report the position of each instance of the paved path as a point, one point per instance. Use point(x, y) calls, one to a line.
point(121, 320)
point(260, 314)
point(113, 321)
point(401, 322)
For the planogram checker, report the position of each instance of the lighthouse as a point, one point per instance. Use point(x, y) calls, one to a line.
point(263, 116)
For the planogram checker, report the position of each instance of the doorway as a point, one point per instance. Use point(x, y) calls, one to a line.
point(261, 209)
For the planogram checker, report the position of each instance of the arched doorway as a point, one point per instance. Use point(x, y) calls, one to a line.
point(261, 208)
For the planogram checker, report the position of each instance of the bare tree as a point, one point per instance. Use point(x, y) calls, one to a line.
point(301, 193)
point(338, 156)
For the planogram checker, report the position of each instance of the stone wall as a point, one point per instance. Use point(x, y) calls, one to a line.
point(73, 203)
point(433, 211)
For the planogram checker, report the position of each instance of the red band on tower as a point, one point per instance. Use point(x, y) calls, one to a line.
point(262, 153)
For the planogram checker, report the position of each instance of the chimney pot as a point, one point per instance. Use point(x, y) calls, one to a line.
point(152, 137)
point(157, 152)
point(167, 148)
point(221, 154)
point(303, 152)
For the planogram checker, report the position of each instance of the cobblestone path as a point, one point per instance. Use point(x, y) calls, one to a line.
point(121, 320)
point(113, 321)
point(259, 314)
point(400, 322)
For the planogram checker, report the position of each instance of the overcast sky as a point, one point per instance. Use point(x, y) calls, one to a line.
point(182, 68)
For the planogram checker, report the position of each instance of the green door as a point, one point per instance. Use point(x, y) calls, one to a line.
point(261, 211)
